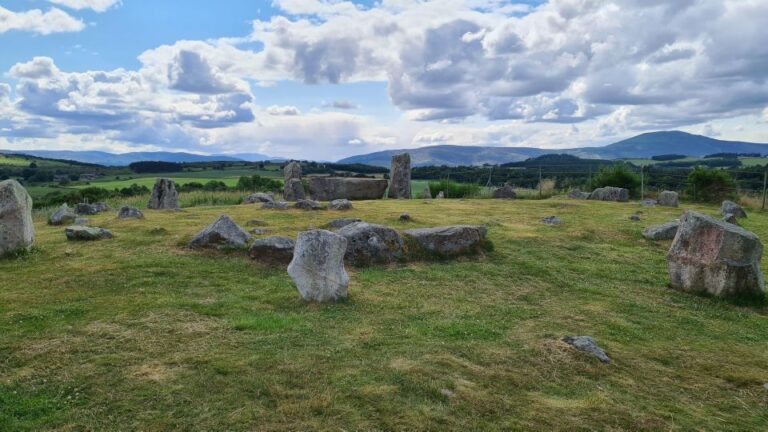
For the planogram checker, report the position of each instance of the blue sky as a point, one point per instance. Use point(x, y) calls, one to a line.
point(329, 78)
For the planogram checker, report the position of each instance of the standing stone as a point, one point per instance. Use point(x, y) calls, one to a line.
point(400, 177)
point(62, 216)
point(440, 195)
point(16, 229)
point(293, 190)
point(610, 193)
point(164, 195)
point(730, 207)
point(224, 233)
point(426, 193)
point(317, 267)
point(351, 188)
point(668, 199)
point(715, 258)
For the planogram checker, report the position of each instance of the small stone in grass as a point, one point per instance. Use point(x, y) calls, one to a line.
point(587, 345)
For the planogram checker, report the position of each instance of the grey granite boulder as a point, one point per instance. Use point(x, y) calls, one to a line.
point(305, 204)
point(275, 205)
point(164, 195)
point(293, 190)
point(730, 207)
point(341, 223)
point(272, 250)
point(405, 217)
point(400, 177)
point(351, 188)
point(317, 267)
point(715, 258)
point(341, 205)
point(587, 345)
point(610, 193)
point(552, 220)
point(17, 232)
point(446, 241)
point(223, 233)
point(62, 216)
point(426, 193)
point(86, 209)
point(369, 243)
point(505, 192)
point(258, 197)
point(665, 231)
point(126, 212)
point(668, 199)
point(440, 195)
point(86, 233)
point(731, 218)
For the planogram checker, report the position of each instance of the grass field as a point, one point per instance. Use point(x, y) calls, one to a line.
point(18, 161)
point(746, 161)
point(139, 333)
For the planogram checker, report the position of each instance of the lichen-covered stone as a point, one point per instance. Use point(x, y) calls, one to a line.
point(317, 267)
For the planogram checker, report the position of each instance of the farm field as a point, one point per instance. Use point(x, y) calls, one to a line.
point(140, 333)
point(746, 161)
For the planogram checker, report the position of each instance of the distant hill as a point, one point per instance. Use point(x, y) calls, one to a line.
point(124, 159)
point(642, 146)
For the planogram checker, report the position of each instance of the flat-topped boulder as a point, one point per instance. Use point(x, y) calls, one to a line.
point(258, 197)
point(272, 250)
point(665, 231)
point(668, 199)
point(305, 204)
point(370, 243)
point(400, 177)
point(505, 192)
point(164, 195)
point(17, 232)
point(715, 258)
point(86, 233)
point(317, 267)
point(730, 207)
point(340, 205)
point(341, 223)
point(610, 193)
point(127, 212)
point(447, 241)
point(223, 233)
point(350, 188)
point(62, 216)
point(275, 205)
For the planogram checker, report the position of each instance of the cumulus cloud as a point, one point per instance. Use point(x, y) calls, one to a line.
point(283, 110)
point(344, 105)
point(40, 22)
point(95, 5)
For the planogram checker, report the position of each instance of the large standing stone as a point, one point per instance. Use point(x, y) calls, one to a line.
point(16, 229)
point(610, 193)
point(224, 233)
point(62, 216)
point(293, 189)
point(666, 231)
point(400, 177)
point(505, 192)
point(126, 212)
point(715, 258)
point(730, 207)
point(668, 199)
point(272, 250)
point(351, 188)
point(258, 197)
point(317, 267)
point(369, 243)
point(86, 233)
point(164, 195)
point(447, 241)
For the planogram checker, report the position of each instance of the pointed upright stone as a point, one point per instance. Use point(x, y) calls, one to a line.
point(317, 267)
point(293, 190)
point(17, 232)
point(400, 177)
point(164, 195)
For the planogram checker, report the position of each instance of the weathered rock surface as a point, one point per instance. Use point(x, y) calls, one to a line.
point(587, 345)
point(665, 231)
point(341, 223)
point(317, 267)
point(715, 258)
point(275, 205)
point(635, 217)
point(86, 209)
point(730, 207)
point(400, 177)
point(577, 194)
point(17, 231)
point(341, 204)
point(505, 192)
point(258, 197)
point(552, 220)
point(447, 241)
point(405, 217)
point(668, 199)
point(610, 193)
point(223, 233)
point(293, 190)
point(730, 218)
point(305, 204)
point(101, 207)
point(351, 188)
point(129, 213)
point(86, 233)
point(164, 195)
point(369, 243)
point(62, 216)
point(292, 171)
point(440, 195)
point(272, 250)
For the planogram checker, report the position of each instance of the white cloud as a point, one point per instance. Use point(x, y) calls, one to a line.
point(36, 21)
point(283, 110)
point(95, 5)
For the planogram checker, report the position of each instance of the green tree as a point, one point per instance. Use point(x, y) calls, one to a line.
point(617, 175)
point(710, 185)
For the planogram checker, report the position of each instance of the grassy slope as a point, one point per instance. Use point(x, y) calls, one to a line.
point(20, 161)
point(138, 333)
point(746, 161)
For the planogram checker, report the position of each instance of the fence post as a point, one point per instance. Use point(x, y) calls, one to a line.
point(642, 183)
point(765, 182)
point(540, 193)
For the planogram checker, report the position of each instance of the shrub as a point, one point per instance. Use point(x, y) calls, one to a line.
point(710, 185)
point(618, 175)
point(454, 190)
point(668, 157)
